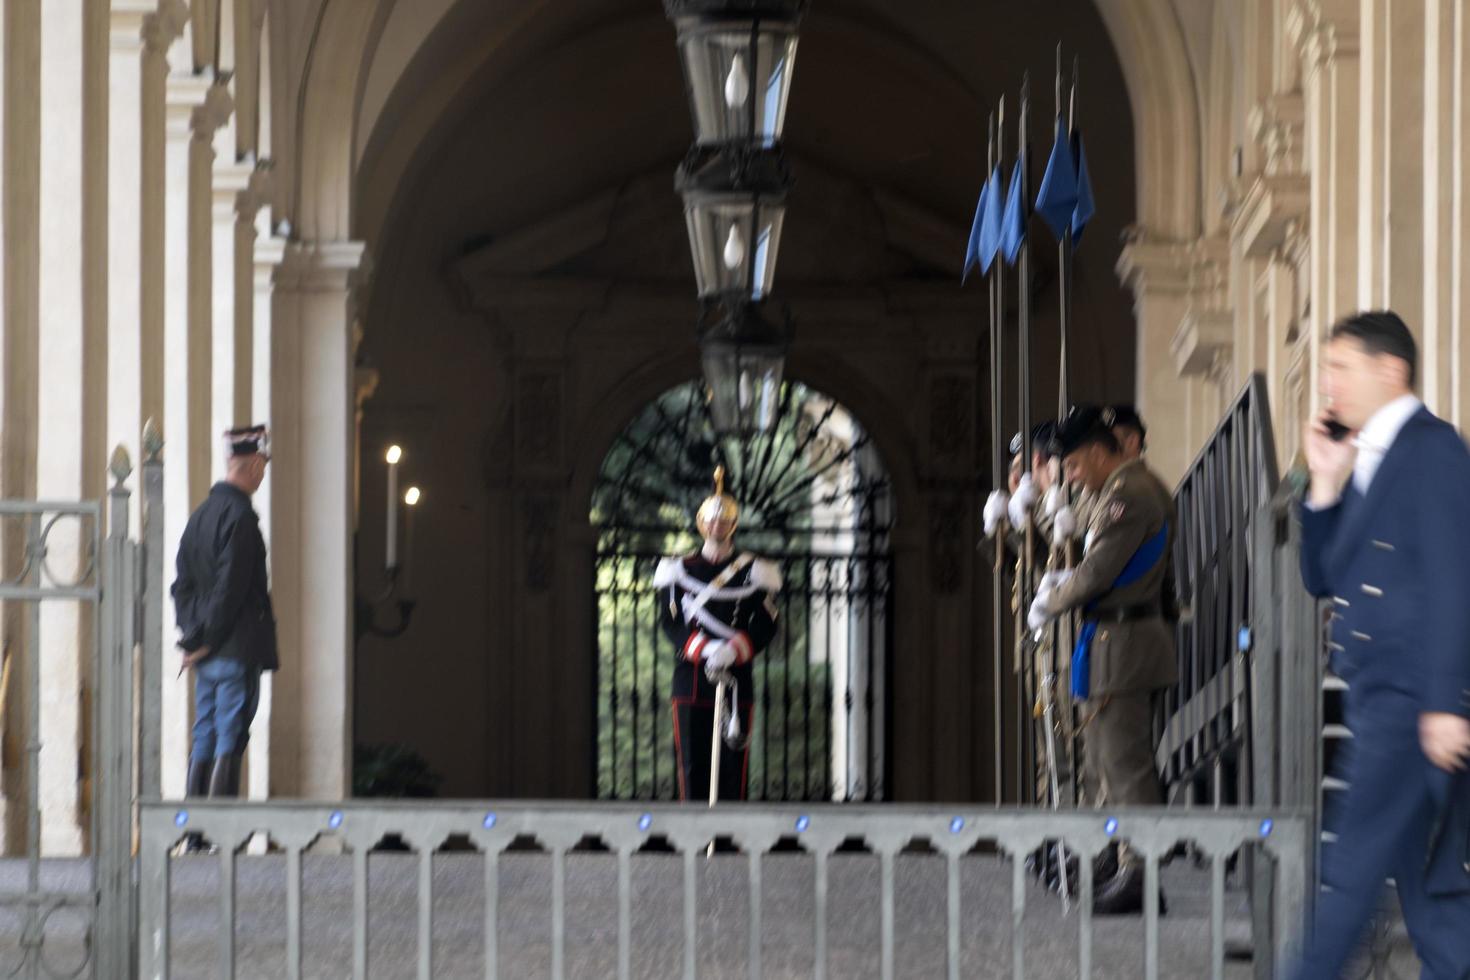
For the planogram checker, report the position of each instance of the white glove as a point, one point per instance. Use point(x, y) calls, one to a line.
point(1053, 500)
point(1064, 526)
point(1022, 501)
point(995, 511)
point(1039, 615)
point(717, 657)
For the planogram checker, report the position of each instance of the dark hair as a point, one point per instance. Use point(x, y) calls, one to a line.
point(1104, 438)
point(1380, 332)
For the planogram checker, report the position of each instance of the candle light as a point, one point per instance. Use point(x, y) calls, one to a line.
point(411, 498)
point(394, 455)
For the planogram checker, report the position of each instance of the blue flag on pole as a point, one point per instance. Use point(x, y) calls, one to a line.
point(1085, 206)
point(1057, 199)
point(990, 227)
point(972, 248)
point(1013, 232)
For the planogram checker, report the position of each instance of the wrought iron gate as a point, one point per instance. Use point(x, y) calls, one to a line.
point(816, 500)
point(65, 560)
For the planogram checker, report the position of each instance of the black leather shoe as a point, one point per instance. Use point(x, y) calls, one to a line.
point(1123, 895)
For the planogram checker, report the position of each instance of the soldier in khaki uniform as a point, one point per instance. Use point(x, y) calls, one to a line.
point(1125, 650)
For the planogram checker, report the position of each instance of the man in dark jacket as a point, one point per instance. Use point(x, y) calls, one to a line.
point(223, 605)
point(1385, 536)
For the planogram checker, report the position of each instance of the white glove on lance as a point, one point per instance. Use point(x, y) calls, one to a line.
point(995, 511)
point(1022, 501)
point(1064, 526)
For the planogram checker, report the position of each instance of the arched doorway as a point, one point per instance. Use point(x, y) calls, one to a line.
point(816, 498)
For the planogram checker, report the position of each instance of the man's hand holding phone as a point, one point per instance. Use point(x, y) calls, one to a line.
point(1330, 458)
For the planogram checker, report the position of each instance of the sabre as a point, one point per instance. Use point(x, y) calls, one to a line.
point(716, 737)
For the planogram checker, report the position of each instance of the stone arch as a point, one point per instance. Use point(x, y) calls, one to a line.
point(1146, 35)
point(1166, 130)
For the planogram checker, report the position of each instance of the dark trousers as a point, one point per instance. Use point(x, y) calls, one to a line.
point(693, 725)
point(1383, 829)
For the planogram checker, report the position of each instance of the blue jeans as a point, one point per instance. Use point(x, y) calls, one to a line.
point(226, 694)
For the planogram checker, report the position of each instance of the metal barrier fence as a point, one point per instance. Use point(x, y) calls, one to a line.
point(821, 831)
point(66, 562)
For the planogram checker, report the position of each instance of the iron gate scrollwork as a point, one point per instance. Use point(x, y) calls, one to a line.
point(816, 500)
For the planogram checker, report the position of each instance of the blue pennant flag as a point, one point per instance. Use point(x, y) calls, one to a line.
point(972, 249)
point(1014, 231)
point(1085, 206)
point(990, 227)
point(1057, 199)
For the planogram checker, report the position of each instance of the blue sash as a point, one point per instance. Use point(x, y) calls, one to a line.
point(1143, 560)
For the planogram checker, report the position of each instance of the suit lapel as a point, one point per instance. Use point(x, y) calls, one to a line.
point(1349, 537)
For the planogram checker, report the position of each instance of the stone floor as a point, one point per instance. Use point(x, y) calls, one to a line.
point(591, 900)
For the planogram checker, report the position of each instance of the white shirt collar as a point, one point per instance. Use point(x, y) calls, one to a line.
point(1378, 434)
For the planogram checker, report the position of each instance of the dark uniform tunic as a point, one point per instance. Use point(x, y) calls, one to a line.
point(740, 610)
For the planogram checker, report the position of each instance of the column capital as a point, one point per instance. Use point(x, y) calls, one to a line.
point(322, 266)
point(269, 254)
point(160, 24)
point(1323, 30)
point(256, 193)
point(1150, 264)
point(214, 112)
point(183, 93)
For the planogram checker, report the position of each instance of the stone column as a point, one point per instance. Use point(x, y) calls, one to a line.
point(311, 514)
point(1326, 35)
point(195, 108)
point(266, 257)
point(1391, 140)
point(230, 320)
point(70, 366)
point(1158, 273)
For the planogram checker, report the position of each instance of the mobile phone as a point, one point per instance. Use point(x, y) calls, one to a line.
point(1336, 431)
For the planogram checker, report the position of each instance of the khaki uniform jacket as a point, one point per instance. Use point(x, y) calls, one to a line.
point(1137, 655)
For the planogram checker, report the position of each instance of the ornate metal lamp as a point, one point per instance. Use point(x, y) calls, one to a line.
point(738, 58)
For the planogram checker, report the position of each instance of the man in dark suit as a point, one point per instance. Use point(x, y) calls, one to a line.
point(223, 605)
point(1386, 535)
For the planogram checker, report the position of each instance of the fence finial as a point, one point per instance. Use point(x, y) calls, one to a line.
point(121, 465)
point(152, 441)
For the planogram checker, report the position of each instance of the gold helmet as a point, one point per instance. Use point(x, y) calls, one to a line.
point(717, 506)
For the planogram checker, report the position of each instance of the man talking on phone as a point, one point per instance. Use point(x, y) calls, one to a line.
point(1386, 535)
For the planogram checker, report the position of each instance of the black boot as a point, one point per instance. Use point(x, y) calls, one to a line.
point(224, 782)
point(1123, 895)
point(198, 782)
point(197, 785)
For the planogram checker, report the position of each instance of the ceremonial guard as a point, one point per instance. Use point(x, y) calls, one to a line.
point(719, 609)
point(1125, 649)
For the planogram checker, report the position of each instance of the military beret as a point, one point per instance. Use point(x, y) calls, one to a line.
point(1041, 437)
point(1127, 415)
point(1083, 424)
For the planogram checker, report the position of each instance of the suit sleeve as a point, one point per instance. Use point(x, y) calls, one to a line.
point(1317, 528)
point(1116, 541)
point(1444, 551)
point(239, 554)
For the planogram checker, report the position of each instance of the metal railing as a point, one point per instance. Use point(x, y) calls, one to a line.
point(1248, 623)
point(955, 834)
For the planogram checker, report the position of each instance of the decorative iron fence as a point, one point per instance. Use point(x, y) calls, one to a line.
point(821, 687)
point(633, 837)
